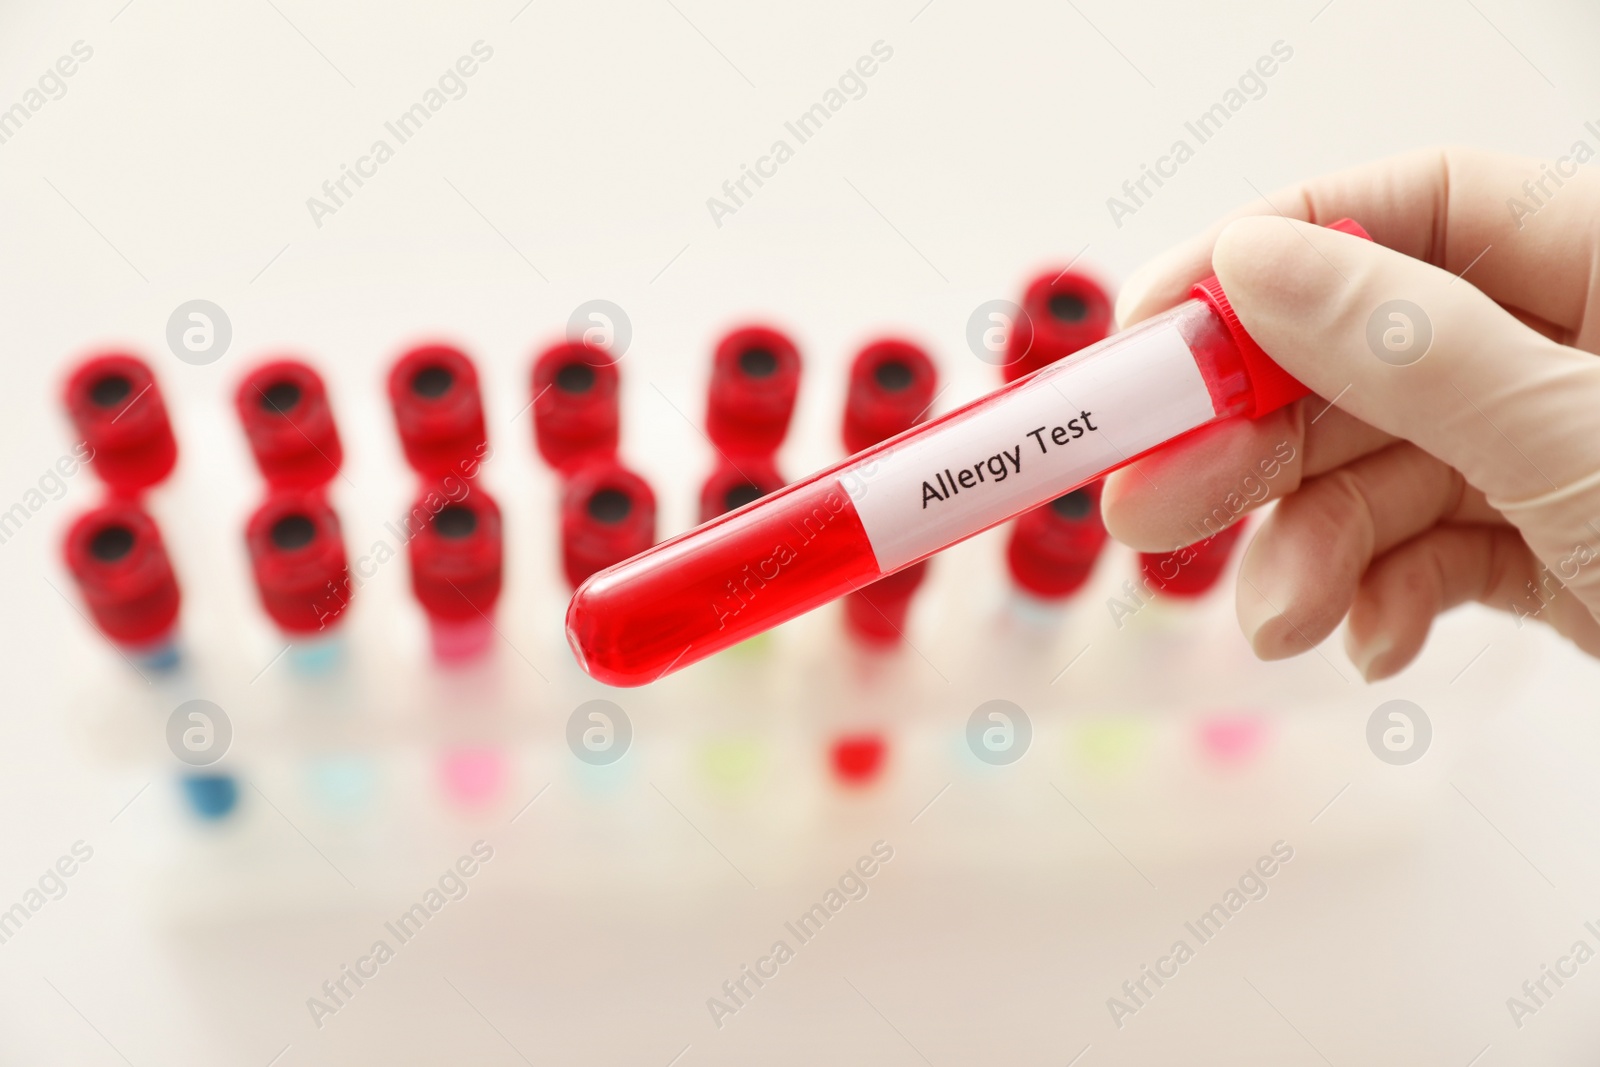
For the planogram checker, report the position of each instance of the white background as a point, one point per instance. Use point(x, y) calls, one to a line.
point(577, 166)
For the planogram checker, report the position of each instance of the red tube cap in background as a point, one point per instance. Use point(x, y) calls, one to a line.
point(608, 513)
point(576, 413)
point(892, 386)
point(284, 409)
point(297, 554)
point(1191, 571)
point(1053, 548)
point(1062, 312)
point(116, 555)
point(116, 407)
point(755, 377)
point(731, 486)
point(457, 553)
point(437, 409)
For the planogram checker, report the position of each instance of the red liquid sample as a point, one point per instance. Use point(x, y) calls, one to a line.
point(875, 615)
point(725, 581)
point(811, 542)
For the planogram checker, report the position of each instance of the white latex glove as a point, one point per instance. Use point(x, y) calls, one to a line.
point(1470, 474)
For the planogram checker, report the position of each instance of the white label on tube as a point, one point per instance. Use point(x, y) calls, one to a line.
point(1058, 431)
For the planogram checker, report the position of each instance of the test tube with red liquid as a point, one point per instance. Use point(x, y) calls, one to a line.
point(457, 554)
point(899, 502)
point(453, 532)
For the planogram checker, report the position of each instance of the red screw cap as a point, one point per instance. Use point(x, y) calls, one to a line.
point(576, 416)
point(1191, 571)
point(116, 556)
point(283, 407)
point(437, 408)
point(1272, 386)
point(456, 554)
point(116, 406)
point(607, 515)
point(1061, 313)
point(877, 613)
point(732, 487)
point(892, 385)
point(1053, 548)
point(297, 553)
point(755, 376)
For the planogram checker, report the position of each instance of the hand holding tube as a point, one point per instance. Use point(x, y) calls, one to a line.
point(1459, 459)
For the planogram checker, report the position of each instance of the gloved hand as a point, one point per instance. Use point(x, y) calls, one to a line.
point(1465, 466)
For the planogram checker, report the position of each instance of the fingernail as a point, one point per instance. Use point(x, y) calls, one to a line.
point(1370, 658)
point(1262, 609)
